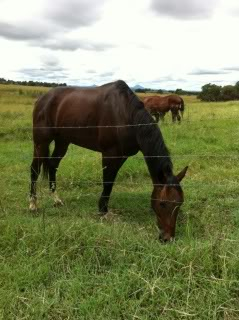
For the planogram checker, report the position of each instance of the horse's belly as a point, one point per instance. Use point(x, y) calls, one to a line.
point(82, 137)
point(106, 140)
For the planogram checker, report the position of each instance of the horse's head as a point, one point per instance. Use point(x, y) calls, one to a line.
point(166, 201)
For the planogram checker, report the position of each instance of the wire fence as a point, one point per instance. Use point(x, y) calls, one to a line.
point(122, 125)
point(91, 182)
point(21, 153)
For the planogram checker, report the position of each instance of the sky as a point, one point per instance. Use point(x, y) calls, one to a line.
point(159, 44)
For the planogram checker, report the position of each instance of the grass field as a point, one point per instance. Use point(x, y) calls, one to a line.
point(67, 263)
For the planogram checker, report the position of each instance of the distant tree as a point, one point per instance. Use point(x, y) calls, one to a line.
point(210, 92)
point(179, 91)
point(140, 90)
point(237, 90)
point(159, 91)
point(32, 83)
point(229, 92)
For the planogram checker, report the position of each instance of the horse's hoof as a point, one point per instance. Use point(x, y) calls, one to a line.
point(32, 208)
point(102, 214)
point(33, 205)
point(58, 203)
point(109, 217)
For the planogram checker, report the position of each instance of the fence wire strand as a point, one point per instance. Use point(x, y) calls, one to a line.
point(117, 126)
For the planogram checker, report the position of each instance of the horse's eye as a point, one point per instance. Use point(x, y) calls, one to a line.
point(162, 204)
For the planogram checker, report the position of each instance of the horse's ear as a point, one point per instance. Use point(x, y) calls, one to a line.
point(181, 174)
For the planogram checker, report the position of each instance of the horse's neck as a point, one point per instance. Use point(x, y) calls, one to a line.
point(160, 169)
point(156, 154)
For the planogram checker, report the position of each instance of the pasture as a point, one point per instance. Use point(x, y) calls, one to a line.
point(68, 263)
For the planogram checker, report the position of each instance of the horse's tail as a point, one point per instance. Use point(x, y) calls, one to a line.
point(42, 132)
point(182, 107)
point(45, 162)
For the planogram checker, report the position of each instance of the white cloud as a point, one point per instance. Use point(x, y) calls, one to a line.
point(154, 43)
point(185, 9)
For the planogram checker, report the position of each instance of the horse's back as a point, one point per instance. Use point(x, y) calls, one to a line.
point(150, 101)
point(156, 104)
point(86, 117)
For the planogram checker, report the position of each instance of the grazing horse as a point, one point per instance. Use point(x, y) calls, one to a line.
point(158, 106)
point(109, 119)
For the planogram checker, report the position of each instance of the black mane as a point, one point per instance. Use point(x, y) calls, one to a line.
point(149, 136)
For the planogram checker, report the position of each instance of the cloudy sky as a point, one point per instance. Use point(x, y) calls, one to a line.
point(166, 44)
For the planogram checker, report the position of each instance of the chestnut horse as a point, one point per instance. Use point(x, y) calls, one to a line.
point(158, 106)
point(109, 119)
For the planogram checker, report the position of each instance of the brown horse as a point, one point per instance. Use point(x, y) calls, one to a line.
point(109, 119)
point(158, 106)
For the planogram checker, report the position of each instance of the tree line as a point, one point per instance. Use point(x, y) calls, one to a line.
point(213, 92)
point(209, 92)
point(161, 91)
point(33, 83)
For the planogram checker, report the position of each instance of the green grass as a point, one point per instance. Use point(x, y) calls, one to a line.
point(67, 263)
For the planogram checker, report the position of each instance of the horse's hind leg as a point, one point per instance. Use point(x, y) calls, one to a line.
point(54, 161)
point(157, 116)
point(162, 115)
point(178, 117)
point(174, 115)
point(40, 155)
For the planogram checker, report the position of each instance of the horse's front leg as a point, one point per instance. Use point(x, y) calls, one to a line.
point(111, 165)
